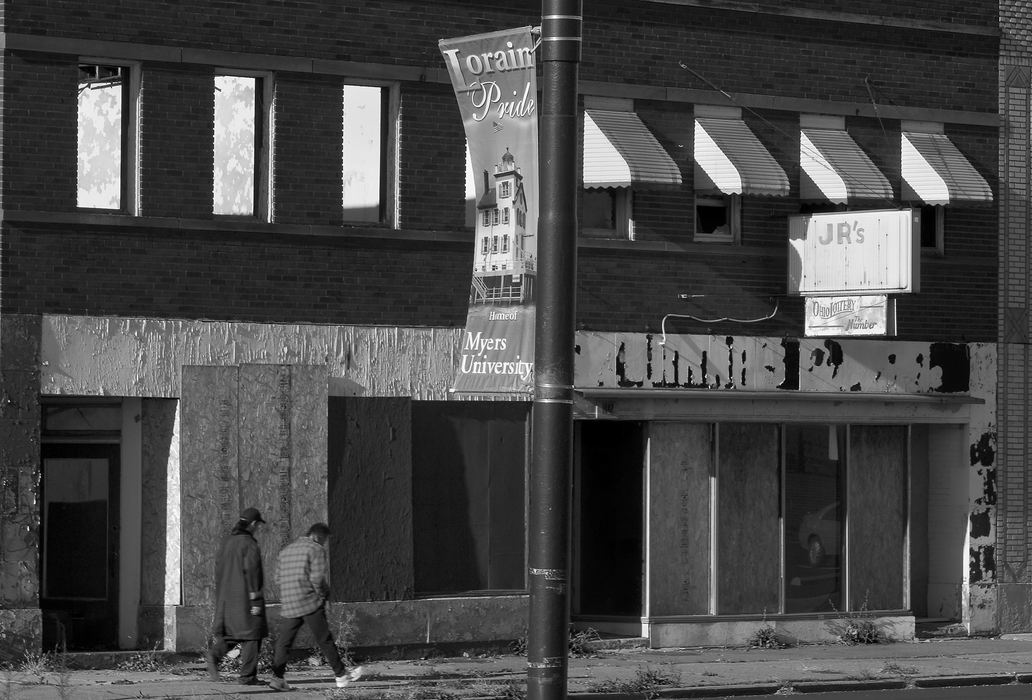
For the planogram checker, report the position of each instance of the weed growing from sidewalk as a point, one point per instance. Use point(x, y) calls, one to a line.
point(766, 637)
point(647, 681)
point(580, 643)
point(152, 660)
point(858, 628)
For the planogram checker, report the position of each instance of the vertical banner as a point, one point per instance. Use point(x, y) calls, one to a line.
point(496, 87)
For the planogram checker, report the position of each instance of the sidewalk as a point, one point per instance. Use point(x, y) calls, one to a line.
point(607, 673)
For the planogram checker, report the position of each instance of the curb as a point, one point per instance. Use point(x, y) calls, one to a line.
point(957, 681)
point(837, 686)
point(703, 691)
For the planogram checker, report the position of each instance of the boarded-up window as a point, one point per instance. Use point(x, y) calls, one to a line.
point(748, 552)
point(364, 138)
point(877, 516)
point(468, 484)
point(102, 111)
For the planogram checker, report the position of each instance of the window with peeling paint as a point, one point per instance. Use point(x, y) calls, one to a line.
point(104, 107)
point(363, 153)
point(238, 144)
point(606, 212)
point(718, 219)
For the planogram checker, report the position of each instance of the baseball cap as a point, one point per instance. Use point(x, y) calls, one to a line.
point(251, 515)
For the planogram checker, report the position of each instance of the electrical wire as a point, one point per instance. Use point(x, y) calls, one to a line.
point(662, 325)
point(813, 153)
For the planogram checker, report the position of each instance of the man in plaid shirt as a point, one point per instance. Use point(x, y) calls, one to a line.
point(301, 573)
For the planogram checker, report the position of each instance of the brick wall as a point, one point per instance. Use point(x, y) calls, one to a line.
point(413, 276)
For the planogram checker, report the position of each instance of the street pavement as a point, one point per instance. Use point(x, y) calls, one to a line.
point(611, 672)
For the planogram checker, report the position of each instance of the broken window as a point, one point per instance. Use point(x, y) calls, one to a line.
point(364, 153)
point(606, 212)
point(718, 219)
point(240, 145)
point(105, 112)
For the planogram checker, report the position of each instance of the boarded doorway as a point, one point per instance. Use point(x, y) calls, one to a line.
point(609, 532)
point(79, 553)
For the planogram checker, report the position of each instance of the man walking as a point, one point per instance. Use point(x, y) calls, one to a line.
point(239, 602)
point(301, 573)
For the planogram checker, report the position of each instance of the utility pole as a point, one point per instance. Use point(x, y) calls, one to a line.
point(549, 540)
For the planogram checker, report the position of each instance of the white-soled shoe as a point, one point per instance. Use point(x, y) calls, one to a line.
point(352, 675)
point(279, 684)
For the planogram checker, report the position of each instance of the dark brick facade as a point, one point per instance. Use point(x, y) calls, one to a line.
point(177, 260)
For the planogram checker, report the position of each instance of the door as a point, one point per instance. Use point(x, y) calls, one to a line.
point(609, 528)
point(79, 552)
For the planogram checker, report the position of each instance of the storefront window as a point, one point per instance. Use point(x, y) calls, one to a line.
point(748, 557)
point(814, 517)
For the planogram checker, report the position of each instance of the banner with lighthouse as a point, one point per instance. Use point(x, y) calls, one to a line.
point(496, 86)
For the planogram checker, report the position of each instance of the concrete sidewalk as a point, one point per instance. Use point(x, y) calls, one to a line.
point(608, 672)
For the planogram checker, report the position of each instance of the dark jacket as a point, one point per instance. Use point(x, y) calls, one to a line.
point(238, 587)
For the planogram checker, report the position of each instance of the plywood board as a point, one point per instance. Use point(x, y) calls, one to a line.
point(266, 412)
point(210, 483)
point(876, 516)
point(370, 498)
point(748, 539)
point(679, 518)
point(157, 428)
point(308, 431)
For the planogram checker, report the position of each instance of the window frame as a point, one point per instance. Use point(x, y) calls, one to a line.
point(732, 214)
point(939, 212)
point(623, 215)
point(261, 208)
point(388, 213)
point(129, 175)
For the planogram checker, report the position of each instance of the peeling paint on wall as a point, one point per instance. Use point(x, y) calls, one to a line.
point(982, 565)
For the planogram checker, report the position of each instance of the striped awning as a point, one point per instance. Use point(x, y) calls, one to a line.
point(620, 151)
point(935, 172)
point(730, 159)
point(834, 168)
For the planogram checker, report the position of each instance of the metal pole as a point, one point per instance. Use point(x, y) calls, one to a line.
point(552, 451)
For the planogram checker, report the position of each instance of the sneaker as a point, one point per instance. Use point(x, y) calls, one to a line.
point(352, 675)
point(279, 684)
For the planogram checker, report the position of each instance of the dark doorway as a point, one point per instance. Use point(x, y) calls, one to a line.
point(609, 496)
point(79, 547)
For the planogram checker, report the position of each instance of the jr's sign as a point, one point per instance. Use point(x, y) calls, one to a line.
point(854, 252)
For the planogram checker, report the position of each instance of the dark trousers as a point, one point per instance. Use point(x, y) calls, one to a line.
point(317, 625)
point(248, 656)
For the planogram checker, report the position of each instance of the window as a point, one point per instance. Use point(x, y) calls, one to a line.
point(106, 174)
point(932, 226)
point(487, 217)
point(365, 152)
point(504, 190)
point(468, 486)
point(494, 244)
point(605, 213)
point(483, 248)
point(505, 215)
point(494, 217)
point(718, 219)
point(241, 166)
point(505, 243)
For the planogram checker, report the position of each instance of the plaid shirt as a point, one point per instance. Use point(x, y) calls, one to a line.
point(302, 574)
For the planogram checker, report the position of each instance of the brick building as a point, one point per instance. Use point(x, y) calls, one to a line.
point(235, 271)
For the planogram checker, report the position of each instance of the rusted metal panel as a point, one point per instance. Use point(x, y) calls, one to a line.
point(209, 473)
point(679, 519)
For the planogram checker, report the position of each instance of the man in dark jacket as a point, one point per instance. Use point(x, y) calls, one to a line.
point(239, 603)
